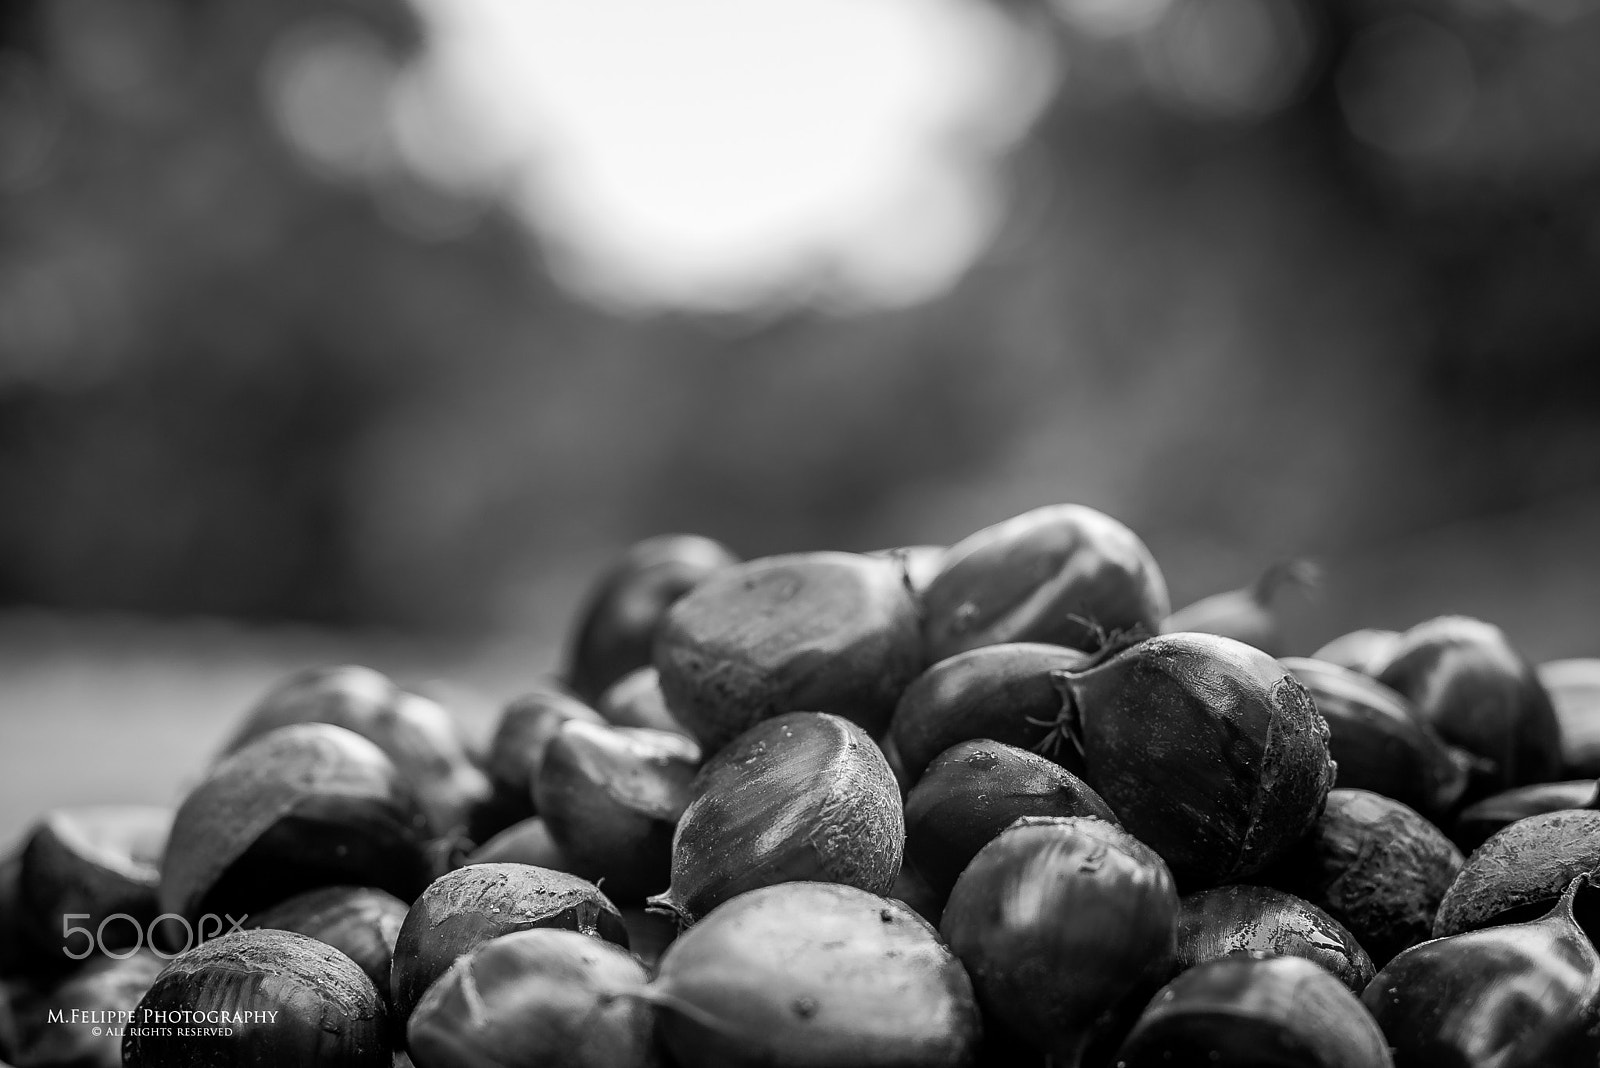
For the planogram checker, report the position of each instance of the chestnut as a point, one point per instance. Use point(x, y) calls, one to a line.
point(528, 842)
point(517, 749)
point(90, 863)
point(1255, 1011)
point(618, 623)
point(359, 921)
point(1374, 865)
point(972, 792)
point(1362, 650)
point(1574, 689)
point(1002, 693)
point(1066, 927)
point(1380, 742)
point(417, 733)
point(301, 807)
point(1258, 919)
point(1465, 678)
point(815, 974)
point(803, 796)
point(105, 984)
point(1521, 871)
point(260, 998)
point(636, 700)
point(918, 563)
point(824, 631)
point(467, 907)
point(1515, 995)
point(1063, 573)
point(533, 998)
point(1479, 821)
point(611, 798)
point(1207, 749)
point(1248, 614)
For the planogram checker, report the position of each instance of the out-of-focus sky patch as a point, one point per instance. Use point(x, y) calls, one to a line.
point(705, 153)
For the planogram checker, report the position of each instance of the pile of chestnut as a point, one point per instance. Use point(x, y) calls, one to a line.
point(988, 805)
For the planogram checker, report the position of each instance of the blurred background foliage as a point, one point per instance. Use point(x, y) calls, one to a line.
point(1260, 277)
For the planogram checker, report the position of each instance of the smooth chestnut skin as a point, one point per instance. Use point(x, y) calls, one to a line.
point(327, 1010)
point(1207, 749)
point(417, 733)
point(528, 842)
point(536, 997)
point(1360, 650)
point(516, 751)
point(89, 862)
point(1521, 871)
point(1003, 693)
point(1478, 822)
point(471, 905)
point(822, 631)
point(1066, 926)
point(358, 921)
point(617, 626)
point(1064, 574)
point(301, 807)
point(1249, 614)
point(919, 563)
point(1512, 996)
point(814, 975)
point(611, 798)
point(805, 796)
point(972, 792)
point(1374, 865)
point(1574, 689)
point(1466, 679)
point(1258, 919)
point(1380, 742)
point(1248, 1011)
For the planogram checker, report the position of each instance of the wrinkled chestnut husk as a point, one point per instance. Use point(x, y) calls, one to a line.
point(824, 631)
point(1515, 996)
point(1376, 866)
point(1000, 692)
point(1381, 744)
point(1464, 678)
point(817, 975)
point(528, 842)
point(618, 624)
point(1247, 615)
point(471, 905)
point(1064, 573)
point(1478, 822)
point(517, 749)
point(972, 792)
point(1208, 750)
point(611, 798)
point(1574, 689)
point(1363, 650)
point(537, 997)
point(301, 807)
point(326, 1010)
point(104, 984)
point(1522, 870)
point(919, 564)
point(418, 734)
point(359, 921)
point(805, 796)
point(90, 863)
point(1066, 927)
point(1258, 919)
point(1255, 1011)
point(637, 701)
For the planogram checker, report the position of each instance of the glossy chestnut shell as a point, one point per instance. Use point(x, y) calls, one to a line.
point(1258, 919)
point(1480, 821)
point(361, 922)
point(1249, 614)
